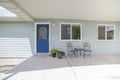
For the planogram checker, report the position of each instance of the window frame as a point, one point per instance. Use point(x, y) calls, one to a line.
point(71, 32)
point(106, 25)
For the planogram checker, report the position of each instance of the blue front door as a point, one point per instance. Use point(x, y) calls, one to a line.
point(42, 43)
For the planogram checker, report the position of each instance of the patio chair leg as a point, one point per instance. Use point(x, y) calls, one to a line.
point(77, 54)
point(90, 54)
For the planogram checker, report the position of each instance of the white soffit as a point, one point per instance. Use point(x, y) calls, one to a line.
point(9, 6)
point(100, 10)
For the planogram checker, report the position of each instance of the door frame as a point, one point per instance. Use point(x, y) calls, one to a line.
point(36, 35)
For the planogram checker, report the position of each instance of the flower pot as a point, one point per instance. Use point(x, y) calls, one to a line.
point(53, 54)
point(59, 55)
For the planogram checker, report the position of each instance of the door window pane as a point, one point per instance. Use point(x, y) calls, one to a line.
point(43, 33)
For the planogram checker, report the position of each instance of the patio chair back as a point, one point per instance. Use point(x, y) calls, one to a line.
point(86, 45)
point(70, 48)
point(87, 49)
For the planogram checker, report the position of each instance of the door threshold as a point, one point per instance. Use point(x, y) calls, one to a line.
point(41, 54)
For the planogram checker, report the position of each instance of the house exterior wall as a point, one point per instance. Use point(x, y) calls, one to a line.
point(89, 34)
point(18, 39)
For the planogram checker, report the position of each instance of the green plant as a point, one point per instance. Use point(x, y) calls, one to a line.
point(53, 51)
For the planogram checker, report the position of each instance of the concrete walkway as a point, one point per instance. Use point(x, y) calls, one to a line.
point(11, 61)
point(97, 67)
point(8, 63)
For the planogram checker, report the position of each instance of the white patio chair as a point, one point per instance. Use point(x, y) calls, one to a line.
point(86, 46)
point(70, 49)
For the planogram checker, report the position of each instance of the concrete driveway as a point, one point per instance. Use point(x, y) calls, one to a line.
point(97, 67)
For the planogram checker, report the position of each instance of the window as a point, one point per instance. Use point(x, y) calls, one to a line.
point(70, 31)
point(106, 32)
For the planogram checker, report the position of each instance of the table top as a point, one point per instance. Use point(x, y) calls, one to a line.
point(79, 49)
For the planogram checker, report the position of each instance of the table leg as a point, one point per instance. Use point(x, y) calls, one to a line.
point(74, 53)
point(84, 54)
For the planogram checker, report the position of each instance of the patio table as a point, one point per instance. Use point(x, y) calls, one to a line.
point(76, 50)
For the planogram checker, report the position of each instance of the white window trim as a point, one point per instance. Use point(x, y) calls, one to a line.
point(106, 32)
point(71, 32)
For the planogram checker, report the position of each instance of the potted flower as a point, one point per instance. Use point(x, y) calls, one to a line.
point(53, 52)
